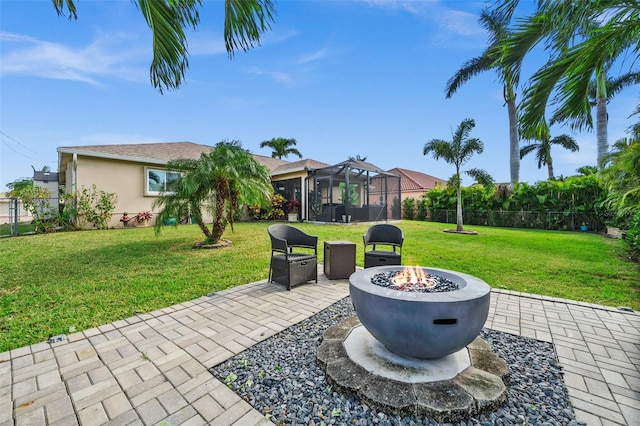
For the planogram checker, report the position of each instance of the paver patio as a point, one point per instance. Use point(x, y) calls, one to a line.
point(152, 368)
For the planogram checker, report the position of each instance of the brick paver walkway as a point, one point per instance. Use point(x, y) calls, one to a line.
point(152, 369)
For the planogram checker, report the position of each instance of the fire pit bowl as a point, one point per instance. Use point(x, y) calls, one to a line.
point(421, 325)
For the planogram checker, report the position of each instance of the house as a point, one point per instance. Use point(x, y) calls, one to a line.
point(415, 184)
point(49, 181)
point(137, 174)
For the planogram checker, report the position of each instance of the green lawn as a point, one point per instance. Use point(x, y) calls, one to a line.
point(51, 283)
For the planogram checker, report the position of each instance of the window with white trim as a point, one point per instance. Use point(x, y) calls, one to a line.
point(159, 181)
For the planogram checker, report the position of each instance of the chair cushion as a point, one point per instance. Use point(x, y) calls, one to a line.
point(382, 253)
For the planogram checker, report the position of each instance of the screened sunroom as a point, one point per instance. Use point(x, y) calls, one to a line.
point(353, 191)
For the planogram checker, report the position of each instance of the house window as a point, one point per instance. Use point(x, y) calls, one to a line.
point(159, 181)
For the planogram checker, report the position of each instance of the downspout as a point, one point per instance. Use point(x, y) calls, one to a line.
point(74, 169)
point(74, 183)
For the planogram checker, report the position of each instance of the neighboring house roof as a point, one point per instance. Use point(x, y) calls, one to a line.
point(297, 166)
point(270, 163)
point(45, 176)
point(416, 181)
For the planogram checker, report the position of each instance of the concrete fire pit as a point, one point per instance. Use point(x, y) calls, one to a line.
point(421, 325)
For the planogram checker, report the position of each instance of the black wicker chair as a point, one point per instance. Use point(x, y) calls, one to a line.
point(383, 235)
point(288, 267)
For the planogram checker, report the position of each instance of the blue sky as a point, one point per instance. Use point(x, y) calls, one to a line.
point(343, 78)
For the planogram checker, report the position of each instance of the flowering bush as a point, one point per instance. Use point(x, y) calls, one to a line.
point(143, 216)
point(293, 206)
point(271, 212)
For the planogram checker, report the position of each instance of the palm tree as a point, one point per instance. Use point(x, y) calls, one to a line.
point(573, 64)
point(543, 149)
point(491, 59)
point(458, 152)
point(587, 170)
point(602, 89)
point(622, 176)
point(220, 180)
point(281, 147)
point(245, 21)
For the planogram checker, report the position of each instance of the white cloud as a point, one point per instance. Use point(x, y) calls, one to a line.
point(113, 56)
point(454, 26)
point(274, 75)
point(314, 56)
point(411, 6)
point(206, 44)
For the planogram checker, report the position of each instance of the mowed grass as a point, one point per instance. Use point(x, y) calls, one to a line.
point(51, 284)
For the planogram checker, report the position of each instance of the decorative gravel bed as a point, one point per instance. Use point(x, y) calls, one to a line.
point(280, 377)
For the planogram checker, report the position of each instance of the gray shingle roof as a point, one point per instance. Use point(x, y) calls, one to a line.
point(161, 153)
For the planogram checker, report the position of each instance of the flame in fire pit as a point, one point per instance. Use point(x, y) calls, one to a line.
point(413, 276)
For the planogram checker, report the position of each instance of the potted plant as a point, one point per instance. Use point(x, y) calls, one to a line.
point(143, 217)
point(352, 196)
point(584, 227)
point(125, 219)
point(292, 210)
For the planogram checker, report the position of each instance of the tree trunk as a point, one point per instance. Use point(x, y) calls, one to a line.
point(514, 145)
point(601, 124)
point(550, 168)
point(601, 117)
point(218, 221)
point(459, 209)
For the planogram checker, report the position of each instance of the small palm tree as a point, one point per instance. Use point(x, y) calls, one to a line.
point(458, 152)
point(281, 147)
point(543, 148)
point(220, 180)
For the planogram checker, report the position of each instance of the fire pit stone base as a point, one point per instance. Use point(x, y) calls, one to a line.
point(477, 389)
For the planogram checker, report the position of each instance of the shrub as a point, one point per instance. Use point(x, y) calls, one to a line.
point(273, 211)
point(96, 206)
point(409, 208)
point(632, 236)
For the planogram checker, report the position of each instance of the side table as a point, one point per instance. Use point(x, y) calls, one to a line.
point(339, 259)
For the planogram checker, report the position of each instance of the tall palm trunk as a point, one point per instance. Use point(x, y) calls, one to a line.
point(459, 206)
point(550, 168)
point(601, 117)
point(514, 148)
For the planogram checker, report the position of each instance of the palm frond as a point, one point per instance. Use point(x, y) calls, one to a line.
point(60, 5)
point(245, 21)
point(469, 69)
point(481, 176)
point(168, 21)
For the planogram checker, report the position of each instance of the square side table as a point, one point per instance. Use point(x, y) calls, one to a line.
point(339, 259)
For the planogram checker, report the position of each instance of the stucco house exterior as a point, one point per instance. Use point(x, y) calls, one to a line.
point(136, 172)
